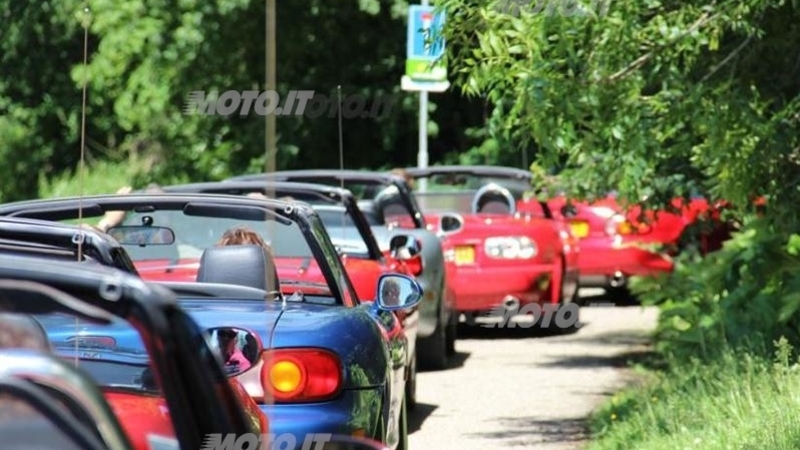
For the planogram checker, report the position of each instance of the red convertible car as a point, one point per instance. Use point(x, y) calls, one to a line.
point(617, 244)
point(348, 227)
point(519, 258)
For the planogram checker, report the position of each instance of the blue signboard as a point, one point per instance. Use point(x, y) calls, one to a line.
point(423, 25)
point(425, 44)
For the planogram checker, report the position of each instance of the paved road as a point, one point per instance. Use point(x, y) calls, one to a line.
point(515, 389)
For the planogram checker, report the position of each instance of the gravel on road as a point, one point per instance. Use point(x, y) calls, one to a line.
point(518, 388)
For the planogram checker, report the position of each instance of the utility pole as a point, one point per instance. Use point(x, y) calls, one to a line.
point(422, 155)
point(271, 59)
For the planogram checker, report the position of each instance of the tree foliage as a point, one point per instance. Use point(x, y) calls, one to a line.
point(658, 99)
point(145, 57)
point(652, 99)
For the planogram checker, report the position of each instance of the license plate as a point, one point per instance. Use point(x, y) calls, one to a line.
point(580, 229)
point(465, 255)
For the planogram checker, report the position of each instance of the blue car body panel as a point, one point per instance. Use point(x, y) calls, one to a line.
point(373, 376)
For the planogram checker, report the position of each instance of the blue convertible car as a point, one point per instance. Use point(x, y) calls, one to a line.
point(316, 358)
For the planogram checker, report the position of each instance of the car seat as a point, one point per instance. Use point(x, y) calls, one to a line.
point(389, 203)
point(242, 265)
point(493, 199)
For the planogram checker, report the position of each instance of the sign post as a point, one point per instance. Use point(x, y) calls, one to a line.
point(426, 70)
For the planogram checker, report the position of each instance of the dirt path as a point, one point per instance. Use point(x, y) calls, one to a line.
point(513, 389)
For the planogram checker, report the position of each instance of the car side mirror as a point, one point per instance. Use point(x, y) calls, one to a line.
point(407, 249)
point(238, 349)
point(450, 223)
point(396, 292)
point(404, 247)
point(569, 211)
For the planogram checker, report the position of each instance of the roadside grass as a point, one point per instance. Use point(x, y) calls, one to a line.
point(739, 401)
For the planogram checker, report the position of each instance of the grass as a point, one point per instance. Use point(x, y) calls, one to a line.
point(737, 402)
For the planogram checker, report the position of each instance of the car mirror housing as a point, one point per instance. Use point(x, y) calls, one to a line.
point(397, 292)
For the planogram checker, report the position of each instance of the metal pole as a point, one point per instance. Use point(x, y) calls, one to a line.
point(271, 84)
point(422, 156)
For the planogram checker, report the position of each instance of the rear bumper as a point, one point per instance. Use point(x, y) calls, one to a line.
point(480, 288)
point(354, 412)
point(603, 262)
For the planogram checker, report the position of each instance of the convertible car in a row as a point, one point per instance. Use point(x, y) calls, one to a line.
point(393, 214)
point(613, 243)
point(47, 401)
point(348, 377)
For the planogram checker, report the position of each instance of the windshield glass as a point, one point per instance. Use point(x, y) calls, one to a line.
point(298, 270)
point(342, 230)
point(382, 202)
point(454, 192)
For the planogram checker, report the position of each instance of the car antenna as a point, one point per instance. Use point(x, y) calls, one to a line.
point(341, 148)
point(341, 166)
point(85, 21)
point(81, 236)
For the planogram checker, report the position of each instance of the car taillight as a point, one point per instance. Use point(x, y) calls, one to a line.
point(614, 225)
point(619, 225)
point(301, 375)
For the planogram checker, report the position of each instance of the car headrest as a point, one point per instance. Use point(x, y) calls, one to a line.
point(494, 199)
point(22, 331)
point(243, 265)
point(389, 203)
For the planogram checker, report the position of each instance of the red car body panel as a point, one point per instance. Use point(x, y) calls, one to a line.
point(483, 283)
point(363, 273)
point(143, 415)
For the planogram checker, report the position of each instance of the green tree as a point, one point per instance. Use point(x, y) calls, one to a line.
point(659, 99)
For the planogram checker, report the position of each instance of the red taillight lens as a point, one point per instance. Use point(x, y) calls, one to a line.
point(301, 375)
point(619, 225)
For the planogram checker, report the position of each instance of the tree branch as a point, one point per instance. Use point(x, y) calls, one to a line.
point(727, 59)
point(642, 60)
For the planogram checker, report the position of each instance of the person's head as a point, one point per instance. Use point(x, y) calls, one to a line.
point(243, 236)
point(257, 195)
point(227, 341)
point(22, 332)
point(391, 292)
point(402, 173)
point(153, 188)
